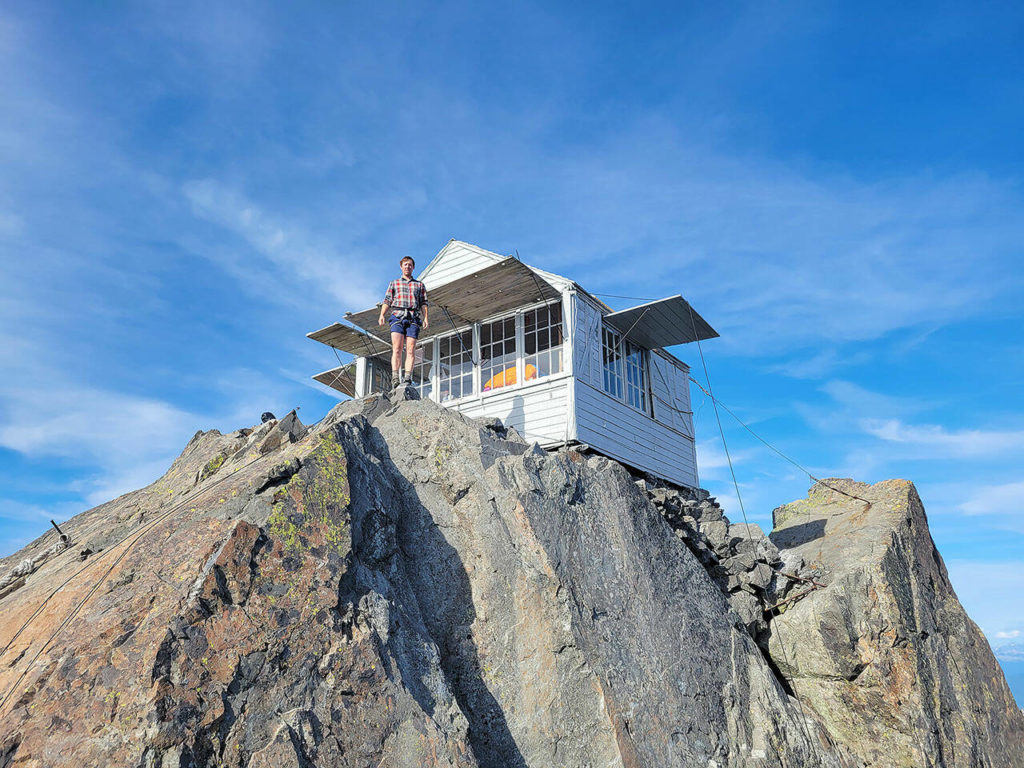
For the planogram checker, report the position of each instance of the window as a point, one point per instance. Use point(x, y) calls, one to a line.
point(455, 359)
point(625, 370)
point(498, 354)
point(612, 362)
point(423, 369)
point(636, 376)
point(379, 375)
point(542, 341)
point(528, 344)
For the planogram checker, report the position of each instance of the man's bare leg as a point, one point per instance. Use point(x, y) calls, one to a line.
point(410, 357)
point(397, 342)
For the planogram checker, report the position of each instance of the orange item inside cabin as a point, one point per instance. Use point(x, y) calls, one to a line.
point(507, 378)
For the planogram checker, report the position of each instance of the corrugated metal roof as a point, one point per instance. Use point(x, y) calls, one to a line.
point(661, 323)
point(342, 378)
point(499, 288)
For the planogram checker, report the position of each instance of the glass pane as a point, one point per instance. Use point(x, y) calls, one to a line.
point(423, 369)
point(543, 355)
point(612, 363)
point(455, 366)
point(498, 354)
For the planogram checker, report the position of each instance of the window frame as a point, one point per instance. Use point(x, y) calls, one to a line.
point(437, 378)
point(518, 315)
point(622, 348)
point(517, 351)
point(378, 370)
point(536, 354)
point(643, 387)
point(615, 374)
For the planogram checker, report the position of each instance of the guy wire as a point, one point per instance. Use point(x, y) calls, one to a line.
point(746, 524)
point(137, 534)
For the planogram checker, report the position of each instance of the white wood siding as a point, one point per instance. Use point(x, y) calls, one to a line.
point(539, 411)
point(457, 259)
point(611, 427)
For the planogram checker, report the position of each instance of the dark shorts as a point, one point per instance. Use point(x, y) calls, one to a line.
point(409, 327)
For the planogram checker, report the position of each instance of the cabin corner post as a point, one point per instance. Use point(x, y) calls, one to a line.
point(362, 377)
point(518, 322)
point(568, 330)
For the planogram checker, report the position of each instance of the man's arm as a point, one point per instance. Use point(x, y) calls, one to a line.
point(385, 307)
point(425, 321)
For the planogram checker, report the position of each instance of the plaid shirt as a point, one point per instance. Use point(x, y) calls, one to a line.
point(406, 294)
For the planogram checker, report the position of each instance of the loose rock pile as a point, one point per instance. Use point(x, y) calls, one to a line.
point(739, 557)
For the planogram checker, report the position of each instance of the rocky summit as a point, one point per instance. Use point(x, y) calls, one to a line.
point(398, 585)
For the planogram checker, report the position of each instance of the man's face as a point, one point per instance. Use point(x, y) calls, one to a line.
point(407, 267)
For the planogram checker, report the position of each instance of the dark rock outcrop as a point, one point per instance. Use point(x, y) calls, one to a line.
point(401, 586)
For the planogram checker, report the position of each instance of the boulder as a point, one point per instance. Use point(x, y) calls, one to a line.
point(884, 654)
point(716, 534)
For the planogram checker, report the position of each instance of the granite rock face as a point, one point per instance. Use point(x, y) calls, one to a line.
point(884, 653)
point(401, 586)
point(741, 560)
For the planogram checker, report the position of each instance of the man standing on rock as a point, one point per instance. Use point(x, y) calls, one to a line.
point(406, 299)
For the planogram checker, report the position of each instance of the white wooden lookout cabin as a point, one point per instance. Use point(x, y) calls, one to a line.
point(543, 355)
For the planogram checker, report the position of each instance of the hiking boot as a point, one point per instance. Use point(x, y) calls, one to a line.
point(395, 381)
point(407, 379)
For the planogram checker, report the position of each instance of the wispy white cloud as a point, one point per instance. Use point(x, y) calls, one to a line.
point(1012, 634)
point(93, 425)
point(294, 262)
point(851, 403)
point(1005, 500)
point(818, 364)
point(119, 441)
point(117, 479)
point(18, 510)
point(1008, 651)
point(778, 257)
point(860, 401)
point(933, 440)
point(37, 514)
point(712, 461)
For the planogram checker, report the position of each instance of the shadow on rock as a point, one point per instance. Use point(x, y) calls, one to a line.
point(396, 535)
point(799, 534)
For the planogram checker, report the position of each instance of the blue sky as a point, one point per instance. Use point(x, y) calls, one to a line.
point(188, 188)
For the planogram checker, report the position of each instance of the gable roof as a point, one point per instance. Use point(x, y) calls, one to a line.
point(455, 248)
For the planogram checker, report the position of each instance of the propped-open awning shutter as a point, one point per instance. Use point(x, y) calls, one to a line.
point(661, 323)
point(342, 378)
point(352, 340)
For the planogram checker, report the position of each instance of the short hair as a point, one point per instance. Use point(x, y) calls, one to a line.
point(404, 259)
